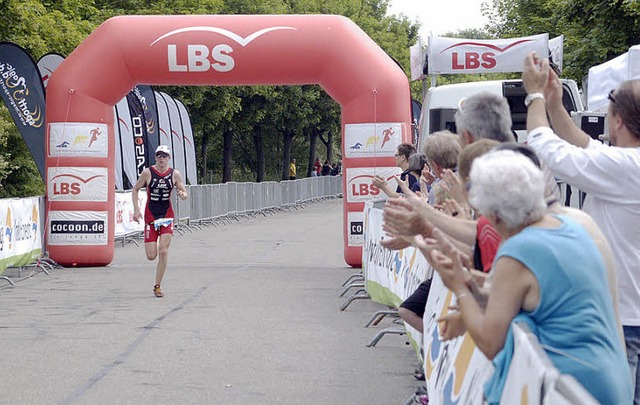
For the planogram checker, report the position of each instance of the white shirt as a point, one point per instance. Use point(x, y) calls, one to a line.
point(611, 178)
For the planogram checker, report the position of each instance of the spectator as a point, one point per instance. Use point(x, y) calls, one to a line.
point(403, 152)
point(442, 149)
point(608, 174)
point(418, 163)
point(326, 168)
point(337, 169)
point(547, 273)
point(292, 170)
point(317, 166)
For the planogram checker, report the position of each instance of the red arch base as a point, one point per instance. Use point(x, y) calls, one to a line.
point(211, 50)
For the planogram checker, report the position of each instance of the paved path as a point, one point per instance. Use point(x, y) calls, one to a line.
point(251, 315)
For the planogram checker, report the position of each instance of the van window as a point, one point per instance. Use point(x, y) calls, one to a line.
point(441, 119)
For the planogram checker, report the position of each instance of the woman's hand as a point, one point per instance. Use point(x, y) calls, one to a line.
point(452, 184)
point(452, 325)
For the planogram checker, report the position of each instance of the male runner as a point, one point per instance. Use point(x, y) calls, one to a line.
point(159, 180)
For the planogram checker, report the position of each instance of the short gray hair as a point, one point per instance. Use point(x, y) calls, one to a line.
point(485, 115)
point(443, 148)
point(508, 185)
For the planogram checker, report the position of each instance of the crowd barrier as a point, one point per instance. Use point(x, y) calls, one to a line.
point(456, 370)
point(22, 221)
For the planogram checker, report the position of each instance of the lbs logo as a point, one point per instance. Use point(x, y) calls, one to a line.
point(474, 60)
point(202, 58)
point(359, 182)
point(77, 184)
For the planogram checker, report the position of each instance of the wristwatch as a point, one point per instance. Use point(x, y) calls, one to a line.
point(532, 96)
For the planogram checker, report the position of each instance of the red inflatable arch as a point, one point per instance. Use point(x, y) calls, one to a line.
point(212, 50)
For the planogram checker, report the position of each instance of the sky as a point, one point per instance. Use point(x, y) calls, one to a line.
point(441, 16)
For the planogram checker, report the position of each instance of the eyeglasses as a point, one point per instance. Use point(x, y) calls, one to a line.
point(611, 97)
point(162, 155)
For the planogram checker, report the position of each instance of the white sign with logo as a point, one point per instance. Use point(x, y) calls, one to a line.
point(372, 139)
point(356, 228)
point(78, 139)
point(77, 184)
point(359, 187)
point(78, 228)
point(456, 55)
point(124, 223)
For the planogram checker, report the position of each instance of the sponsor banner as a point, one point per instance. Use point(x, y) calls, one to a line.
point(147, 98)
point(528, 370)
point(20, 233)
point(47, 64)
point(164, 124)
point(177, 138)
point(455, 369)
point(391, 275)
point(126, 144)
point(77, 184)
point(359, 187)
point(556, 51)
point(372, 139)
point(416, 58)
point(78, 228)
point(23, 93)
point(457, 55)
point(78, 139)
point(124, 214)
point(139, 130)
point(189, 145)
point(356, 228)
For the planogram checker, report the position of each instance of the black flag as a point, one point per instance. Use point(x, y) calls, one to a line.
point(23, 94)
point(148, 101)
point(139, 129)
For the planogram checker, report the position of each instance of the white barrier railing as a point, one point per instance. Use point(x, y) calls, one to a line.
point(456, 370)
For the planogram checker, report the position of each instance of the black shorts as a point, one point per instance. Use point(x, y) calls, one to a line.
point(418, 300)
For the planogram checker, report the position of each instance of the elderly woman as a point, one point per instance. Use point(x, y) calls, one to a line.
point(547, 272)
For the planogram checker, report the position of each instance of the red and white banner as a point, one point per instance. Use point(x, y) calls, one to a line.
point(456, 55)
point(124, 213)
point(77, 184)
point(359, 187)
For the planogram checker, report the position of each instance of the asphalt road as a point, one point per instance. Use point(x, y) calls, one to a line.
point(250, 315)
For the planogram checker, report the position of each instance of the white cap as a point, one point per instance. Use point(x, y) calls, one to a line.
point(163, 148)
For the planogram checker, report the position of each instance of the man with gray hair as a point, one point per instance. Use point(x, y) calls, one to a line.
point(484, 115)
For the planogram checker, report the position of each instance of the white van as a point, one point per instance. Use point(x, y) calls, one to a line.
point(441, 102)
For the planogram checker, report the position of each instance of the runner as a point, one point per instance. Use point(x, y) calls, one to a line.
point(159, 180)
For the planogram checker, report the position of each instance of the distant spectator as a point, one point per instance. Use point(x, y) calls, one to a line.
point(292, 170)
point(337, 169)
point(317, 167)
point(326, 168)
